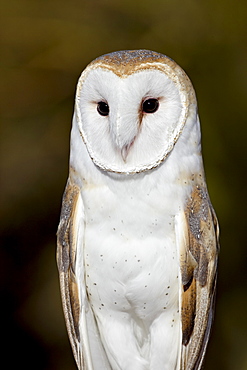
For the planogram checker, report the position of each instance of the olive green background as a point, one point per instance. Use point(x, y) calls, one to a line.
point(44, 47)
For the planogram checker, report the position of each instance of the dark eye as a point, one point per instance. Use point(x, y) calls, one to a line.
point(103, 108)
point(150, 105)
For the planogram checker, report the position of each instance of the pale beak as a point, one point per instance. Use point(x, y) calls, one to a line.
point(125, 150)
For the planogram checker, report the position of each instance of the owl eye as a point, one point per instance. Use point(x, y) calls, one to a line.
point(103, 108)
point(150, 105)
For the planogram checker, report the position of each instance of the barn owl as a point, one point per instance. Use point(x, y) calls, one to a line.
point(138, 236)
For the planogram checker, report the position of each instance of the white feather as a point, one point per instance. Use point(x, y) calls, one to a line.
point(154, 139)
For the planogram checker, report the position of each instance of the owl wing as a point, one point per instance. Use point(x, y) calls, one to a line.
point(198, 241)
point(81, 326)
point(69, 232)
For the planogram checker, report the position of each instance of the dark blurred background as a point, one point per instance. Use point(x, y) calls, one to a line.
point(44, 47)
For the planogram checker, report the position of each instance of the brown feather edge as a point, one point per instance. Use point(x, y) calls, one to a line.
point(188, 310)
point(65, 262)
point(201, 356)
point(195, 340)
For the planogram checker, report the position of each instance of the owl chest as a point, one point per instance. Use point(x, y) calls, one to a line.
point(130, 253)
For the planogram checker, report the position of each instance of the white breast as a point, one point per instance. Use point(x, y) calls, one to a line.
point(132, 271)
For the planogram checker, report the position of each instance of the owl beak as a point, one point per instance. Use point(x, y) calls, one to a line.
point(125, 150)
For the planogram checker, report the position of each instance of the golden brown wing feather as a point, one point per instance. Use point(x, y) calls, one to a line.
point(198, 262)
point(66, 253)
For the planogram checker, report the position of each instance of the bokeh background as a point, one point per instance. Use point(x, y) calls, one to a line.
point(44, 47)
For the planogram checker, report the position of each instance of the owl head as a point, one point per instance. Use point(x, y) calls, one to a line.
point(131, 108)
